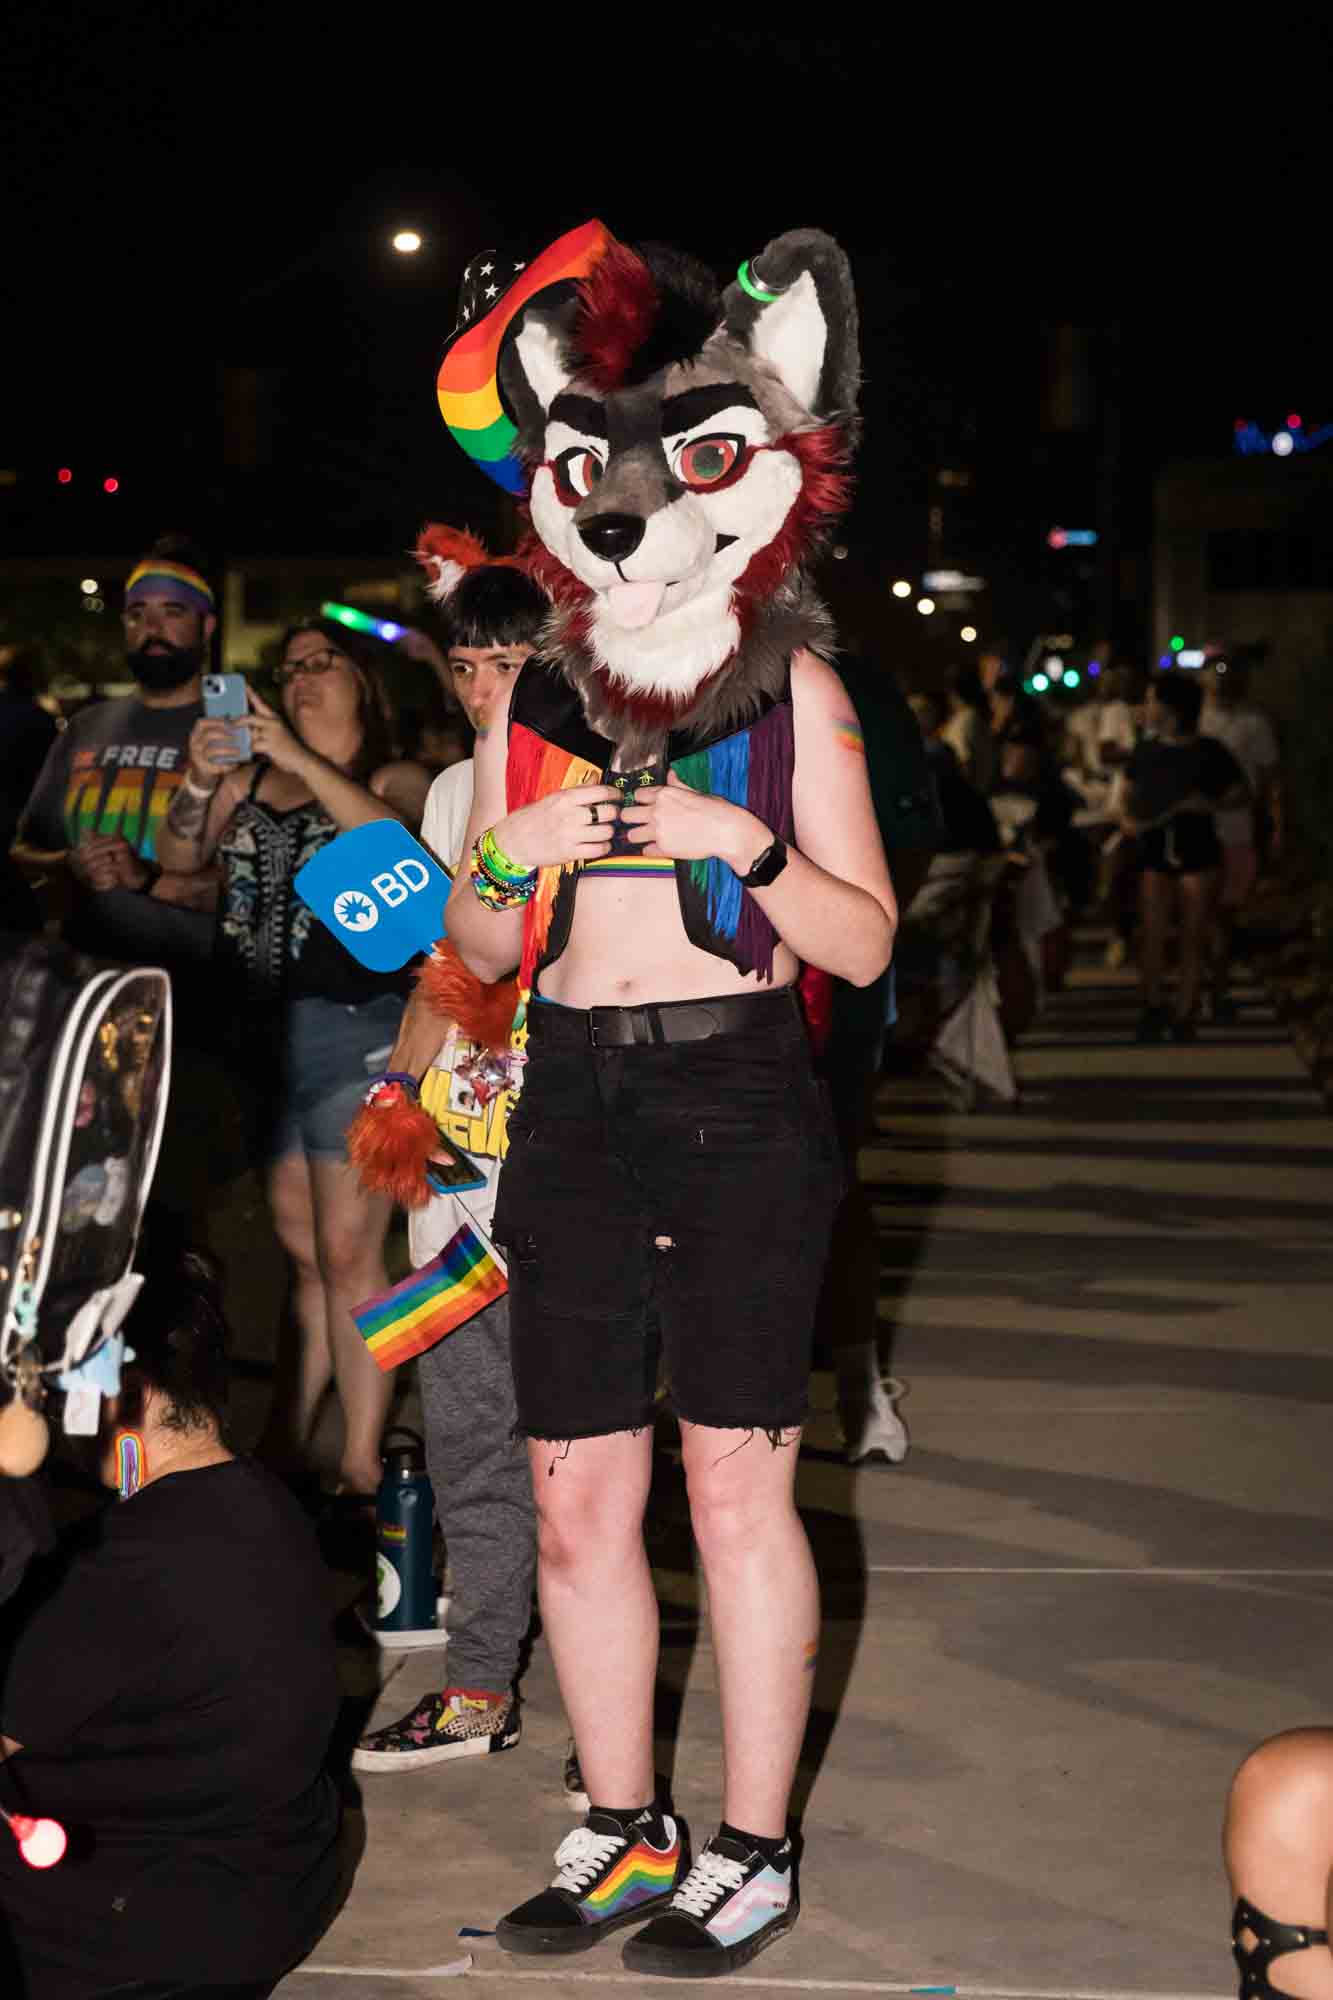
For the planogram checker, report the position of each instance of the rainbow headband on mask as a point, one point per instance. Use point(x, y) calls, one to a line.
point(156, 578)
point(467, 388)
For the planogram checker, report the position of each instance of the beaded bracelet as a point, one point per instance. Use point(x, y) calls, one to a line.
point(497, 863)
point(491, 891)
point(391, 1080)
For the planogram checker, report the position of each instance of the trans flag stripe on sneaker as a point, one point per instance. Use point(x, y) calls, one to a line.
point(643, 1872)
point(762, 1899)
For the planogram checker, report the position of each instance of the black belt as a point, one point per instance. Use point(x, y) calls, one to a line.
point(663, 1021)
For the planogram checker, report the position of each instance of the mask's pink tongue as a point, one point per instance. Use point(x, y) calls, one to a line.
point(634, 604)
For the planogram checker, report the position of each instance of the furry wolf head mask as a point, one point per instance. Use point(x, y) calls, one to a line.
point(684, 450)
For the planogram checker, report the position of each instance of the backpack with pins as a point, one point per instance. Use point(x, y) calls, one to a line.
point(85, 1061)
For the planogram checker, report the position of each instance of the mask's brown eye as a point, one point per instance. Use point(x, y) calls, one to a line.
point(577, 471)
point(707, 461)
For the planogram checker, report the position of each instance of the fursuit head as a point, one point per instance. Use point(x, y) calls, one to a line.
point(689, 451)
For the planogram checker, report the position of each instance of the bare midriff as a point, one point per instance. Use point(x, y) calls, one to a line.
point(627, 945)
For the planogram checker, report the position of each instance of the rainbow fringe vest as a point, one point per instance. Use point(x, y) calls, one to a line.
point(552, 748)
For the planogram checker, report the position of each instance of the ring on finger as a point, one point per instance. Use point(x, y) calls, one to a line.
point(592, 816)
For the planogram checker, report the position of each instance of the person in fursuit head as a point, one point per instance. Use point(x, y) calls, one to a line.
point(451, 1070)
point(671, 813)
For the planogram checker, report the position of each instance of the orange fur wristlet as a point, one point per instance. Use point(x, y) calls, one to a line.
point(390, 1142)
point(485, 1014)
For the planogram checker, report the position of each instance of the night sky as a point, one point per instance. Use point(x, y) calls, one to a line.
point(192, 193)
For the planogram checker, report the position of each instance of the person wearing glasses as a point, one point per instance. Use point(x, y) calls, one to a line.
point(315, 1025)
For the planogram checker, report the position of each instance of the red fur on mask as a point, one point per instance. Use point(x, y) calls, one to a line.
point(618, 305)
point(390, 1144)
point(485, 1014)
point(439, 541)
point(826, 489)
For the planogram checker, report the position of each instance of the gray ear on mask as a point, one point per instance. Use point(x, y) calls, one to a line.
point(793, 306)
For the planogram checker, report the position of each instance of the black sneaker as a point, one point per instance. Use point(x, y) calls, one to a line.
point(1154, 1025)
point(732, 1904)
point(609, 1874)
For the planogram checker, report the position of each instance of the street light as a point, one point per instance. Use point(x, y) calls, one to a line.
point(968, 634)
point(89, 586)
point(407, 242)
point(925, 605)
point(902, 588)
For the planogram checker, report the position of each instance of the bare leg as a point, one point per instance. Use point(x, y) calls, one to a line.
point(349, 1236)
point(597, 1603)
point(763, 1607)
point(1155, 899)
point(1278, 1844)
point(303, 1379)
point(1197, 896)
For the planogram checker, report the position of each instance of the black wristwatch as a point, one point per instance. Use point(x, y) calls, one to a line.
point(768, 867)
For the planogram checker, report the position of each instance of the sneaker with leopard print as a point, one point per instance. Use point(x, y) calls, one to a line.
point(457, 1722)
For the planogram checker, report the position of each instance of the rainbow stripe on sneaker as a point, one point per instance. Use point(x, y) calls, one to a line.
point(640, 1876)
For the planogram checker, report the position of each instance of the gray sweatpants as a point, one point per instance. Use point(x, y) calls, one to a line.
point(483, 1497)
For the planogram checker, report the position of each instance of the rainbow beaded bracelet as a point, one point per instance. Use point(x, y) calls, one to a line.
point(493, 889)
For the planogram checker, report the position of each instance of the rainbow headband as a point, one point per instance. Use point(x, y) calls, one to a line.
point(467, 386)
point(155, 578)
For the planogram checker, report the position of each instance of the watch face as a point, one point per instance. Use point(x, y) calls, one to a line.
point(768, 867)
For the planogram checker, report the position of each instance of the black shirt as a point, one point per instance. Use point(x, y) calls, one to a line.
point(1162, 773)
point(175, 1698)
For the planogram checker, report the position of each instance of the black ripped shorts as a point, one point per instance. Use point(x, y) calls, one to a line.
point(725, 1148)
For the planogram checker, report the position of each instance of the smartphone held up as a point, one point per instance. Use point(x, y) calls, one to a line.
point(225, 701)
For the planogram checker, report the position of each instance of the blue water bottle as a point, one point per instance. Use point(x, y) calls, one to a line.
point(404, 1528)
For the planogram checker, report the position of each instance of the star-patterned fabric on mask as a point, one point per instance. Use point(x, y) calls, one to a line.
point(495, 289)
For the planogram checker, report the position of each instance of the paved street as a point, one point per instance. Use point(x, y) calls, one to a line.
point(1103, 1572)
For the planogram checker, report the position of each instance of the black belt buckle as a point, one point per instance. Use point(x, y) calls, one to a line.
point(616, 1027)
point(625, 1027)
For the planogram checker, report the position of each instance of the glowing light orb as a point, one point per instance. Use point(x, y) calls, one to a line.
point(925, 605)
point(41, 1841)
point(407, 242)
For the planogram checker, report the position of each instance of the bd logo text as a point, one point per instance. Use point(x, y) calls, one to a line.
point(355, 910)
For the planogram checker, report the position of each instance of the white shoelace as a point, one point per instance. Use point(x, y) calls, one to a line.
point(713, 1875)
point(581, 1855)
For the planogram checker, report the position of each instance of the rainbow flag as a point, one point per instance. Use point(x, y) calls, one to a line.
point(468, 391)
point(439, 1298)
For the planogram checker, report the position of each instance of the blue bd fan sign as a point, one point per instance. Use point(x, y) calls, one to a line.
point(379, 892)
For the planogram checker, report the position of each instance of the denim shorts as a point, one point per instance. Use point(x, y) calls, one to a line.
point(330, 1051)
point(672, 1203)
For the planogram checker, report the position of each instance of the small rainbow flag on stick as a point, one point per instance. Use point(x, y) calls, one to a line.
point(442, 1296)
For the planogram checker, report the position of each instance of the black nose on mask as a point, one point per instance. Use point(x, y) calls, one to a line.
point(613, 536)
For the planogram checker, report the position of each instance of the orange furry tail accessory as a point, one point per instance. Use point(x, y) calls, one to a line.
point(447, 554)
point(485, 1014)
point(390, 1141)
